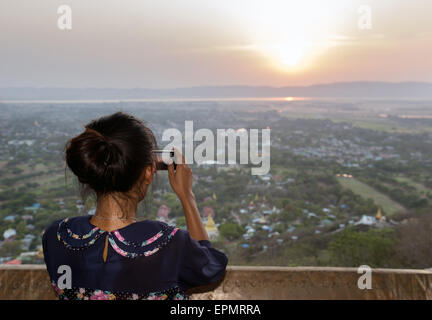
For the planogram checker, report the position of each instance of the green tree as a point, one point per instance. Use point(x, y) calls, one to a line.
point(231, 231)
point(375, 248)
point(181, 222)
point(21, 229)
point(11, 249)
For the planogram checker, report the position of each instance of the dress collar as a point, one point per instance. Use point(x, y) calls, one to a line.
point(142, 238)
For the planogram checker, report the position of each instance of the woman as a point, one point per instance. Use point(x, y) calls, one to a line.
point(111, 256)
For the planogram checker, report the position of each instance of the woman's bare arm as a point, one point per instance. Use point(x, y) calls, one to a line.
point(193, 220)
point(181, 181)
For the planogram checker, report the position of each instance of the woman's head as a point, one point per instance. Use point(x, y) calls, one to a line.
point(113, 155)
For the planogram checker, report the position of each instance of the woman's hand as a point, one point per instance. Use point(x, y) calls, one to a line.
point(181, 179)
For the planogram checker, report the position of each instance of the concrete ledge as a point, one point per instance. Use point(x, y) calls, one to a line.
point(32, 282)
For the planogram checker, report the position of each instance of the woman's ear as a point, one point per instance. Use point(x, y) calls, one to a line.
point(148, 174)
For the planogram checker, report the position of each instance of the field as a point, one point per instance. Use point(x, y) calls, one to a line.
point(420, 187)
point(388, 205)
point(389, 126)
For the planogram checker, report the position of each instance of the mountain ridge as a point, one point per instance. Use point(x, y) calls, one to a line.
point(358, 89)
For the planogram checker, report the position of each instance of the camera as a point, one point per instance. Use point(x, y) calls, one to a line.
point(160, 163)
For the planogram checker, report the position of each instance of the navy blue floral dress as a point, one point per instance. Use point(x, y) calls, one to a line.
point(145, 260)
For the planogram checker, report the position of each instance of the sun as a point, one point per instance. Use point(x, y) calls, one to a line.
point(285, 56)
point(289, 54)
point(292, 35)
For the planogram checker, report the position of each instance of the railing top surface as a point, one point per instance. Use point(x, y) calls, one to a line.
point(36, 267)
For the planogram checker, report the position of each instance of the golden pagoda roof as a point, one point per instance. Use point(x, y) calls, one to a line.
point(210, 224)
point(378, 214)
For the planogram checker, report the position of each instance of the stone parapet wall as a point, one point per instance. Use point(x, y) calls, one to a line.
point(32, 282)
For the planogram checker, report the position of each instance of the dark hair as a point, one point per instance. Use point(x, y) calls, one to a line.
point(111, 154)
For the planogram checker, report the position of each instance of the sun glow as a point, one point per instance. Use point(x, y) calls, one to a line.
point(293, 34)
point(288, 54)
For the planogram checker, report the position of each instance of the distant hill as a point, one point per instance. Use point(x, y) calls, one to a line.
point(337, 90)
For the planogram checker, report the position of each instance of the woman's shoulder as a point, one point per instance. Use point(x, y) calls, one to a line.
point(148, 231)
point(81, 225)
point(83, 222)
point(52, 227)
point(137, 239)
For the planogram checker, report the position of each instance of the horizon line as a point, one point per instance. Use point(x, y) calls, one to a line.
point(226, 85)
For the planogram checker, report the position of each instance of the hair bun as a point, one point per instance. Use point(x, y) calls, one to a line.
point(112, 152)
point(91, 156)
point(108, 146)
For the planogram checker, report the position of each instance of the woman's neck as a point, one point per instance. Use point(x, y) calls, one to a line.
point(113, 213)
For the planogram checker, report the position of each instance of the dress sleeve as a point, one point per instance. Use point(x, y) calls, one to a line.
point(201, 263)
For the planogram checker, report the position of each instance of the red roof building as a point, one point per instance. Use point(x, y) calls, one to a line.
point(14, 261)
point(163, 211)
point(207, 211)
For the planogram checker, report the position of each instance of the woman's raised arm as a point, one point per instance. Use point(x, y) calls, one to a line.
point(181, 181)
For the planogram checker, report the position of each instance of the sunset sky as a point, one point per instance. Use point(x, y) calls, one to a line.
point(182, 43)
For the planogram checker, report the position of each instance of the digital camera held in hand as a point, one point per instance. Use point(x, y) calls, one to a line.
point(161, 155)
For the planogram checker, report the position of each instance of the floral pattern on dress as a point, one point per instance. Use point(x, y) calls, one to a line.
point(133, 249)
point(146, 253)
point(142, 244)
point(95, 231)
point(174, 293)
point(76, 236)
